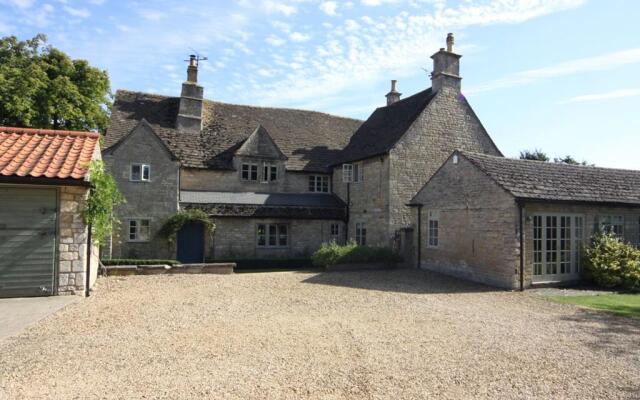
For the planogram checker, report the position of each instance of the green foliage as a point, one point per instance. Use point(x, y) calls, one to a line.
point(170, 228)
point(333, 253)
point(571, 161)
point(266, 263)
point(611, 263)
point(42, 87)
point(536, 155)
point(104, 197)
point(133, 261)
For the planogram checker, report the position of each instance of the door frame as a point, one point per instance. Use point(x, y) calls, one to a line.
point(575, 241)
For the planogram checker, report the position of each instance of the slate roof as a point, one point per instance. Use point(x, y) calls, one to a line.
point(40, 153)
point(537, 180)
point(310, 140)
point(262, 199)
point(380, 132)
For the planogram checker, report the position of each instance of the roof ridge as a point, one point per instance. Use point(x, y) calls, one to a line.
point(38, 131)
point(558, 164)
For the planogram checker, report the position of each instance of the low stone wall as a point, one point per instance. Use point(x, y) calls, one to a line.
point(209, 268)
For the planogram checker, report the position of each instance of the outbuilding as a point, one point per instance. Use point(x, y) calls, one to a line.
point(516, 223)
point(44, 183)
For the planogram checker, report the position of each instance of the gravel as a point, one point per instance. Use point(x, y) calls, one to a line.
point(295, 335)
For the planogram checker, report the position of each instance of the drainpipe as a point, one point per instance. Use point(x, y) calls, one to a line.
point(87, 278)
point(521, 215)
point(346, 229)
point(419, 234)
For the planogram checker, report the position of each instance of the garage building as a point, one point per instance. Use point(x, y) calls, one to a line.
point(43, 187)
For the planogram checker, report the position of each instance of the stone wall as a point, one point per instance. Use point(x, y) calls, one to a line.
point(478, 226)
point(591, 214)
point(155, 200)
point(369, 200)
point(447, 124)
point(236, 238)
point(72, 242)
point(229, 181)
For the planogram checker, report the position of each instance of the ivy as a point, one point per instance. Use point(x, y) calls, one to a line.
point(104, 197)
point(170, 228)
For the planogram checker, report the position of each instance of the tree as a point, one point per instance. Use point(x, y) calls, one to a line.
point(570, 160)
point(42, 87)
point(536, 155)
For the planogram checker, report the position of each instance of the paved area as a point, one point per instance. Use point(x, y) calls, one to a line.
point(342, 335)
point(18, 314)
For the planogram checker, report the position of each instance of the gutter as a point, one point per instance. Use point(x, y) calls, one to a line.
point(87, 277)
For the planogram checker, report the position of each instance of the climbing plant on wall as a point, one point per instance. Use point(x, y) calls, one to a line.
point(104, 197)
point(173, 224)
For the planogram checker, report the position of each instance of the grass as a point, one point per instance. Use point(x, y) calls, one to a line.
point(627, 305)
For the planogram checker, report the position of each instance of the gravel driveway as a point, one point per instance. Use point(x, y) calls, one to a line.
point(354, 335)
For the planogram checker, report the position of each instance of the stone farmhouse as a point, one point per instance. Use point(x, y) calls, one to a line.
point(280, 182)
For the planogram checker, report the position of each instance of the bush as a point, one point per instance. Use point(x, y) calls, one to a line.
point(266, 263)
point(333, 253)
point(611, 263)
point(133, 261)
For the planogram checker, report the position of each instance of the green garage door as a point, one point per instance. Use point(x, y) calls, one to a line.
point(27, 241)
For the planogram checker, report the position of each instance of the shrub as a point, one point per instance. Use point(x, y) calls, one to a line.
point(333, 253)
point(266, 263)
point(133, 261)
point(611, 263)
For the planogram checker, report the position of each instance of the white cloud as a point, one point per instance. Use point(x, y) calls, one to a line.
point(77, 12)
point(279, 7)
point(614, 94)
point(329, 8)
point(274, 40)
point(123, 28)
point(375, 3)
point(152, 15)
point(21, 3)
point(589, 64)
point(299, 37)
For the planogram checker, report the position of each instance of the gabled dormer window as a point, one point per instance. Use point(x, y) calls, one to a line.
point(249, 172)
point(269, 172)
point(140, 173)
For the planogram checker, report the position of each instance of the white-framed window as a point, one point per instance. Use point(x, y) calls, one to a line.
point(319, 183)
point(433, 229)
point(335, 232)
point(249, 172)
point(269, 172)
point(613, 224)
point(347, 173)
point(361, 233)
point(272, 235)
point(140, 173)
point(139, 230)
point(358, 172)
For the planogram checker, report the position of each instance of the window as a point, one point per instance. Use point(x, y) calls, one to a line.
point(138, 230)
point(140, 172)
point(249, 172)
point(433, 232)
point(272, 235)
point(269, 172)
point(613, 224)
point(335, 232)
point(347, 173)
point(361, 234)
point(319, 183)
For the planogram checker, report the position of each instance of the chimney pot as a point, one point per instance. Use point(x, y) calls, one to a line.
point(450, 42)
point(393, 95)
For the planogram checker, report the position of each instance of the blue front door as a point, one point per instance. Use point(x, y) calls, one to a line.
point(191, 243)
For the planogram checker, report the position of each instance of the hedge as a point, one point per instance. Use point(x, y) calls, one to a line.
point(133, 261)
point(611, 263)
point(333, 253)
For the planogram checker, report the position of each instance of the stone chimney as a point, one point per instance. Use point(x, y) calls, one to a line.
point(190, 111)
point(393, 95)
point(446, 67)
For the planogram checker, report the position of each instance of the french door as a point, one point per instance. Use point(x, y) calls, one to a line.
point(557, 244)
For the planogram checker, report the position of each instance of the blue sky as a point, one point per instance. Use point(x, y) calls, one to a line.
point(557, 75)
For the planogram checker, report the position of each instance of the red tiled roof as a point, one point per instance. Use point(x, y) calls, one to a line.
point(46, 153)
